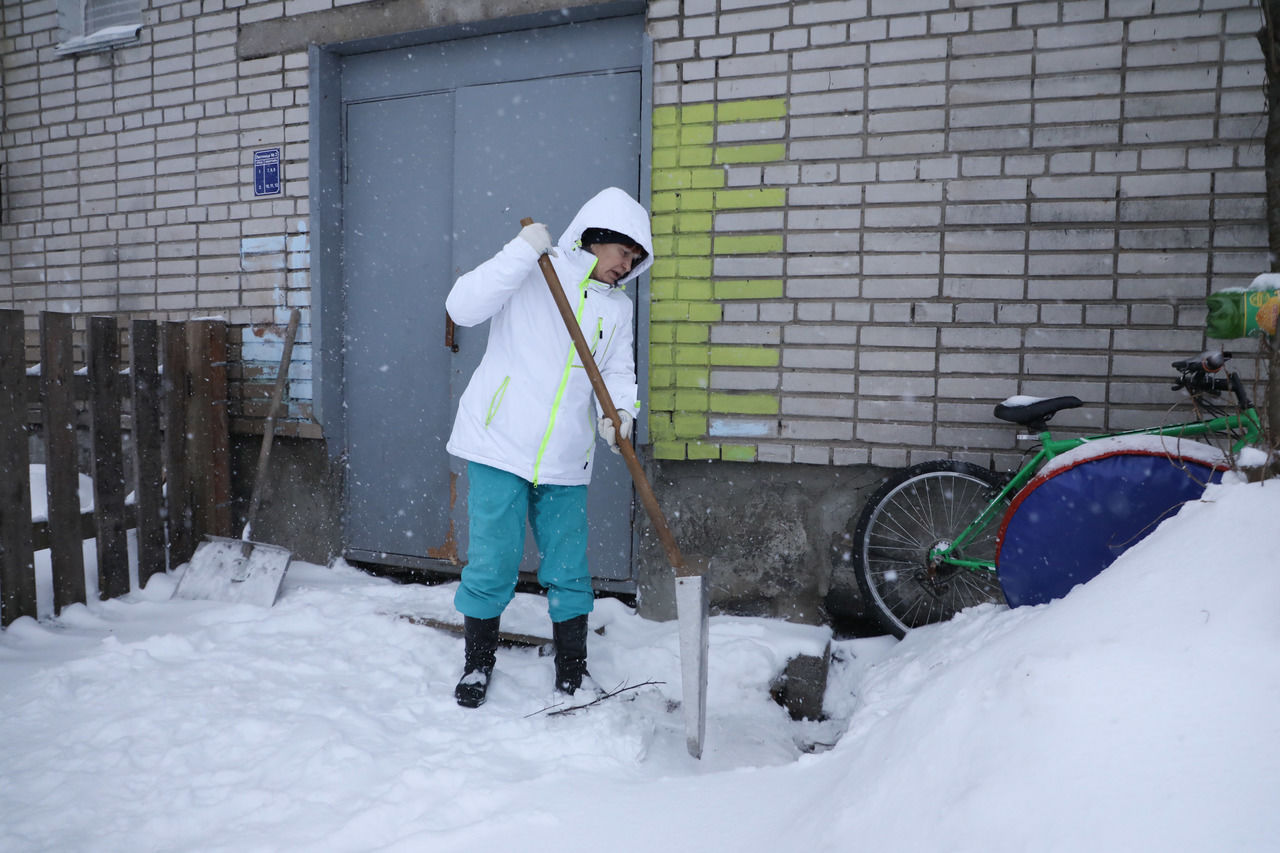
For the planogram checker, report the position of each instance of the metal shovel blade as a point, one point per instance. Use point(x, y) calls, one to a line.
point(691, 612)
point(234, 571)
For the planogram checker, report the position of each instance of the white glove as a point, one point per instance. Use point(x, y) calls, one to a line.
point(537, 236)
point(605, 426)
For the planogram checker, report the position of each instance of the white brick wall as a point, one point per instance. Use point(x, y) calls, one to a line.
point(983, 198)
point(988, 198)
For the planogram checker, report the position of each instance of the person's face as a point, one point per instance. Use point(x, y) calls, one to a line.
point(616, 260)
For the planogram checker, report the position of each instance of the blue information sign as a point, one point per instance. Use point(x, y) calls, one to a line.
point(266, 172)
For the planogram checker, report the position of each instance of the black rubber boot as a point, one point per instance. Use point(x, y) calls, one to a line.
point(571, 652)
point(480, 655)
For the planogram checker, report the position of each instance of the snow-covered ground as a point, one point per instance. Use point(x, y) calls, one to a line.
point(1141, 712)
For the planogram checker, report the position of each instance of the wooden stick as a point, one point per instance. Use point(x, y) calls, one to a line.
point(674, 557)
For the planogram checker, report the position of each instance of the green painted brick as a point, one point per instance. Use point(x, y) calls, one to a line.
point(662, 400)
point(669, 158)
point(666, 137)
point(662, 354)
point(661, 377)
point(669, 311)
point(689, 424)
point(748, 244)
point(738, 452)
point(691, 377)
point(660, 428)
point(691, 333)
point(770, 153)
point(697, 134)
point(664, 246)
point(704, 312)
point(663, 267)
point(663, 116)
point(673, 179)
point(693, 223)
point(698, 246)
point(698, 114)
point(663, 223)
point(662, 333)
point(744, 404)
point(691, 156)
point(738, 199)
point(703, 450)
point(697, 200)
point(662, 288)
point(693, 267)
point(663, 202)
point(707, 179)
point(753, 109)
point(668, 449)
point(743, 356)
point(694, 290)
point(690, 400)
point(764, 288)
point(691, 355)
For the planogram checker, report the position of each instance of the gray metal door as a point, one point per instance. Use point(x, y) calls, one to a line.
point(443, 158)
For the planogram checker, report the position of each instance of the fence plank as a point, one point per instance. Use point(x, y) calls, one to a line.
point(17, 560)
point(59, 413)
point(207, 427)
point(103, 351)
point(144, 340)
point(176, 389)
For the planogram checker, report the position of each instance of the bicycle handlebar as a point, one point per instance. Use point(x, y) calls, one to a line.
point(1194, 377)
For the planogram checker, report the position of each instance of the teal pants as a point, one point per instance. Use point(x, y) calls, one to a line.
point(497, 505)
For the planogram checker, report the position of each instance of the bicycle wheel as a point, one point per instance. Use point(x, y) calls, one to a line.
point(913, 512)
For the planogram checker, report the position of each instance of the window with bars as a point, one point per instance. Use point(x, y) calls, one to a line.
point(92, 25)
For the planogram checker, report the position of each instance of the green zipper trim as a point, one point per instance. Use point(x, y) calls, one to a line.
point(564, 378)
point(496, 400)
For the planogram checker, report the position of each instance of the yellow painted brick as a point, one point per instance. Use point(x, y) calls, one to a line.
point(698, 245)
point(697, 134)
point(666, 137)
point(704, 312)
point(692, 156)
point(669, 158)
point(670, 311)
point(668, 449)
point(703, 450)
point(731, 154)
point(662, 377)
point(690, 355)
point(689, 424)
point(673, 179)
point(707, 179)
point(663, 116)
point(693, 223)
point(662, 288)
point(663, 202)
point(738, 452)
point(698, 114)
point(691, 333)
point(691, 377)
point(693, 289)
point(693, 267)
point(688, 399)
point(662, 353)
point(696, 200)
point(662, 333)
point(663, 223)
point(743, 404)
point(664, 246)
point(751, 109)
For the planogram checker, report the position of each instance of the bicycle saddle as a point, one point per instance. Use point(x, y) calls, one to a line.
point(1034, 412)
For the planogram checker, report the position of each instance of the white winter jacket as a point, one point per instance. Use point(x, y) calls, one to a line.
point(527, 408)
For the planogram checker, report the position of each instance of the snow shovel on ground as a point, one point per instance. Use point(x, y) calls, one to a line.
point(691, 589)
point(239, 570)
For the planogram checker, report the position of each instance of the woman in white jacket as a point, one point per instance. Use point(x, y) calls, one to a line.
point(526, 423)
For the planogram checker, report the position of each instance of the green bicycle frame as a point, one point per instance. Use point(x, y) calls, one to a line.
point(1246, 424)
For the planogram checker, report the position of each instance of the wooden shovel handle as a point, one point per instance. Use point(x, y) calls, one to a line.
point(606, 403)
point(269, 426)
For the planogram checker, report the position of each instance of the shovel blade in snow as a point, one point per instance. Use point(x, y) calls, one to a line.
point(692, 601)
point(235, 571)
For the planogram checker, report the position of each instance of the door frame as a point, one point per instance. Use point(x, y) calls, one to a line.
point(326, 159)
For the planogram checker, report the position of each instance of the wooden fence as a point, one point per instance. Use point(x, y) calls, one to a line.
point(171, 401)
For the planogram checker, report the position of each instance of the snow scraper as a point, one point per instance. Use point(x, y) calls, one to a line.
point(691, 589)
point(239, 570)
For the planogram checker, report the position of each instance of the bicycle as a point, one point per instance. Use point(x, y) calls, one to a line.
point(927, 543)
